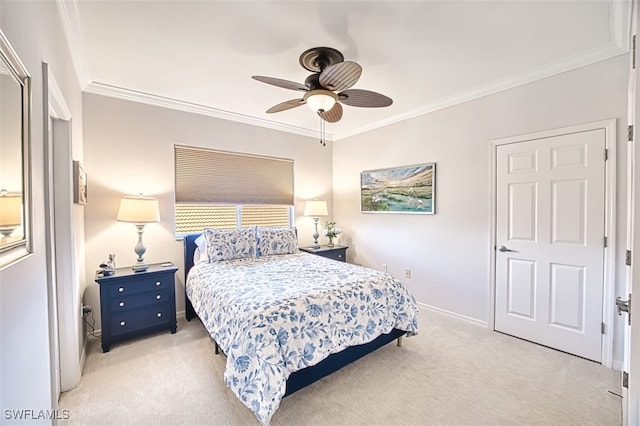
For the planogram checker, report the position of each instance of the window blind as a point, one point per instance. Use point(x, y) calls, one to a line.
point(210, 176)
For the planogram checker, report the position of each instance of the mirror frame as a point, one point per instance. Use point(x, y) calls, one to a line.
point(17, 250)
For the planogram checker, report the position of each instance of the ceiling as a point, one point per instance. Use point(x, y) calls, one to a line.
point(199, 56)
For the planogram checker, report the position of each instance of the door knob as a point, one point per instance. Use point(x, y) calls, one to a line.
point(504, 249)
point(624, 306)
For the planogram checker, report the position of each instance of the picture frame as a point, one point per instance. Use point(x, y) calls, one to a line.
point(405, 189)
point(79, 184)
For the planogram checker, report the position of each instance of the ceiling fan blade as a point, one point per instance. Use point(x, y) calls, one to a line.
point(286, 105)
point(364, 98)
point(286, 84)
point(333, 115)
point(340, 76)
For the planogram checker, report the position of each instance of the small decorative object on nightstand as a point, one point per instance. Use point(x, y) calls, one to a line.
point(137, 303)
point(335, 252)
point(331, 231)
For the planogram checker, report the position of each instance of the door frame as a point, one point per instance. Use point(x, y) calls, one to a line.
point(608, 299)
point(65, 367)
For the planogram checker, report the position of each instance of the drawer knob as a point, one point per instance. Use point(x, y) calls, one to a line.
point(340, 256)
point(158, 297)
point(159, 314)
point(122, 323)
point(121, 304)
point(157, 283)
point(121, 289)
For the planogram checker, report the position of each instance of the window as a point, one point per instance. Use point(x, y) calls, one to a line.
point(192, 218)
point(226, 190)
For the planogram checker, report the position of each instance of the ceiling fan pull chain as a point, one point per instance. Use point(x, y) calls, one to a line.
point(322, 138)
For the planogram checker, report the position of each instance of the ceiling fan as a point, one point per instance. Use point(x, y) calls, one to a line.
point(331, 74)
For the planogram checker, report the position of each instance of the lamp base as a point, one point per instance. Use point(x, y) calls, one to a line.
point(315, 235)
point(140, 267)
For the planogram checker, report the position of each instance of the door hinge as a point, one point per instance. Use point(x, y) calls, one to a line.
point(625, 379)
point(627, 258)
point(630, 132)
point(633, 50)
point(605, 241)
point(606, 154)
point(602, 328)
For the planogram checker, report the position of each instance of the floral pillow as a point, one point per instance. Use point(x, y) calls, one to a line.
point(227, 245)
point(277, 241)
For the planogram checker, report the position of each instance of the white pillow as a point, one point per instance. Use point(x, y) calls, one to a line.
point(277, 241)
point(200, 253)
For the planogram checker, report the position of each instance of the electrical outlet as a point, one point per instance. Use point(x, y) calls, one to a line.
point(407, 273)
point(384, 268)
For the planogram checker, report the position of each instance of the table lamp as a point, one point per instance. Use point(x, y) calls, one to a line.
point(315, 208)
point(10, 212)
point(139, 211)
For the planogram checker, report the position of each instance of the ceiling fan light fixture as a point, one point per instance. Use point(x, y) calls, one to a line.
point(320, 99)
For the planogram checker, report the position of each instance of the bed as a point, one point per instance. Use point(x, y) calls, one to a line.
point(285, 318)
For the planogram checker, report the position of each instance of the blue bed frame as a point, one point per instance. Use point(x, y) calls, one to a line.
point(306, 376)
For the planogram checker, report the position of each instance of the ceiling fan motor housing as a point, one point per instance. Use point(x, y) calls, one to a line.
point(313, 82)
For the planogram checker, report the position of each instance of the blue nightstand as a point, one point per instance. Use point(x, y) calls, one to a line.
point(136, 303)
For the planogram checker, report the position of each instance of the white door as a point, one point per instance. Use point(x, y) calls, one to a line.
point(550, 227)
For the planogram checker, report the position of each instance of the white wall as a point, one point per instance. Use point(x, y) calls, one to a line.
point(449, 252)
point(129, 150)
point(34, 31)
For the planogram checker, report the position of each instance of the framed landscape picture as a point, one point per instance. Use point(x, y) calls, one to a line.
point(407, 189)
point(79, 184)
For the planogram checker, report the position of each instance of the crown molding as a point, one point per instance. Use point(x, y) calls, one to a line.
point(159, 101)
point(566, 64)
point(68, 11)
point(620, 35)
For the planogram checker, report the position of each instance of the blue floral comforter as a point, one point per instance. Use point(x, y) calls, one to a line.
point(278, 314)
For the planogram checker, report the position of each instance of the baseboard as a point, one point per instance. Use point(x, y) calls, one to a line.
point(181, 314)
point(461, 317)
point(83, 354)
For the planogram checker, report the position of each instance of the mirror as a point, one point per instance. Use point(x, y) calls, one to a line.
point(15, 110)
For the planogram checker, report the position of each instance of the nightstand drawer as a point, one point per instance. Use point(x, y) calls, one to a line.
point(123, 303)
point(338, 253)
point(335, 255)
point(126, 287)
point(130, 321)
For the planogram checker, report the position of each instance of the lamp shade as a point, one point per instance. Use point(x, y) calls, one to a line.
point(316, 208)
point(320, 99)
point(10, 209)
point(138, 210)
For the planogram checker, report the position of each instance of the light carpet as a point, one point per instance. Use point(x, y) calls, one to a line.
point(452, 373)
